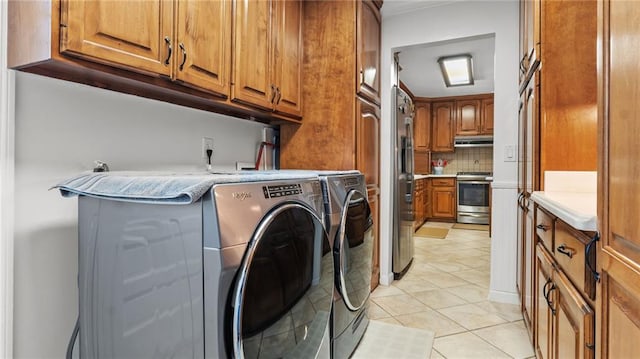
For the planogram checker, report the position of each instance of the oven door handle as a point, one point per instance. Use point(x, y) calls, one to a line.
point(473, 215)
point(473, 182)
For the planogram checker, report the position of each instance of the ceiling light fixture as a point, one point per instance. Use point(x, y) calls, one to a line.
point(457, 70)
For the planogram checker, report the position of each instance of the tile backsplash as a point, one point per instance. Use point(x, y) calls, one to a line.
point(478, 159)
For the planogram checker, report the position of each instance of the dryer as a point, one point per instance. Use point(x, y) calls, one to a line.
point(350, 226)
point(246, 271)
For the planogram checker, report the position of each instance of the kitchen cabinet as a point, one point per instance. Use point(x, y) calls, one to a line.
point(543, 317)
point(173, 51)
point(443, 126)
point(618, 251)
point(369, 25)
point(468, 117)
point(341, 127)
point(268, 55)
point(443, 198)
point(486, 116)
point(420, 202)
point(529, 44)
point(422, 126)
point(373, 197)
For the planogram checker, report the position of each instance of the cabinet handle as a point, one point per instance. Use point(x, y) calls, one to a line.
point(273, 93)
point(589, 259)
point(279, 94)
point(167, 40)
point(184, 56)
point(549, 301)
point(543, 227)
point(520, 200)
point(544, 289)
point(566, 250)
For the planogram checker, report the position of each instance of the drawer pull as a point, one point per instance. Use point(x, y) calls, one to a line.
point(566, 250)
point(543, 227)
point(588, 258)
point(549, 301)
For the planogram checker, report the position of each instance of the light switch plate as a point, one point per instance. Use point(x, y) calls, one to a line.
point(510, 153)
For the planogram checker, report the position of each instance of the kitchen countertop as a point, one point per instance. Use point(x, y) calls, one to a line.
point(418, 176)
point(577, 209)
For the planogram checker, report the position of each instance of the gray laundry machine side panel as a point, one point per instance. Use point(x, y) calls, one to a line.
point(140, 279)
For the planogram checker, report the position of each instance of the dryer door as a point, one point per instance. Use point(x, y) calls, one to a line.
point(283, 293)
point(353, 249)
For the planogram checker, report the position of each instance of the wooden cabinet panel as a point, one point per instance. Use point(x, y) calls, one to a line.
point(137, 37)
point(368, 52)
point(203, 51)
point(442, 126)
point(571, 254)
point(422, 126)
point(573, 321)
point(252, 66)
point(543, 317)
point(486, 117)
point(443, 202)
point(421, 163)
point(545, 228)
point(374, 205)
point(368, 141)
point(618, 258)
point(288, 57)
point(467, 117)
point(528, 271)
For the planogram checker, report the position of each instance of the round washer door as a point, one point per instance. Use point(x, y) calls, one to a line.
point(353, 249)
point(283, 292)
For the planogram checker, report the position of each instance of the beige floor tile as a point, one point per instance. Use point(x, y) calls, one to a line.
point(449, 267)
point(466, 345)
point(400, 304)
point(472, 316)
point(436, 355)
point(511, 338)
point(438, 298)
point(375, 312)
point(386, 290)
point(390, 320)
point(471, 293)
point(446, 280)
point(438, 224)
point(473, 276)
point(508, 312)
point(416, 284)
point(431, 320)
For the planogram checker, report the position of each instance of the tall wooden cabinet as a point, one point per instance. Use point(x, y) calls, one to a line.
point(443, 126)
point(340, 129)
point(422, 126)
point(618, 257)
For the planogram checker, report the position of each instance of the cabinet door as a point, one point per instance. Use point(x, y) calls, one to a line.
point(368, 141)
point(486, 117)
point(442, 126)
point(422, 126)
point(573, 321)
point(288, 57)
point(443, 201)
point(467, 117)
point(543, 281)
point(203, 51)
point(368, 50)
point(135, 35)
point(253, 45)
point(618, 256)
point(528, 270)
point(374, 205)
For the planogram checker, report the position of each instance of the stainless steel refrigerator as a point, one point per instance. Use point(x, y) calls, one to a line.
point(403, 215)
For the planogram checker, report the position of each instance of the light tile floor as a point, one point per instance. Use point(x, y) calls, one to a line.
point(445, 291)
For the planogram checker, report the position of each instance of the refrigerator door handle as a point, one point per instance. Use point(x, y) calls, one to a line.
point(409, 160)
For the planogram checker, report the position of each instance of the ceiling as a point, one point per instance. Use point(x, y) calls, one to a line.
point(421, 72)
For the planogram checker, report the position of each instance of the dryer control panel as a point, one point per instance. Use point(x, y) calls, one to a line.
point(281, 190)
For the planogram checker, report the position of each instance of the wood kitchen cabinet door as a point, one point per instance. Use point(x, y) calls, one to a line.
point(422, 126)
point(618, 255)
point(467, 117)
point(288, 57)
point(368, 25)
point(486, 117)
point(443, 202)
point(544, 316)
point(203, 51)
point(368, 141)
point(374, 205)
point(136, 35)
point(443, 123)
point(253, 46)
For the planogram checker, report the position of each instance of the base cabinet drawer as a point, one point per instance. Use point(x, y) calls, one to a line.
point(571, 254)
point(545, 228)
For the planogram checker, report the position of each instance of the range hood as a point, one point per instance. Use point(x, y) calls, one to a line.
point(473, 141)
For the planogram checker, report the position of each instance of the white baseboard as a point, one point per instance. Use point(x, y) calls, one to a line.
point(504, 297)
point(386, 279)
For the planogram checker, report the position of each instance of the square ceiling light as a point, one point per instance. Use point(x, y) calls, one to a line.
point(457, 70)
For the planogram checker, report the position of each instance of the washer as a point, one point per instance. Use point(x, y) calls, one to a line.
point(350, 225)
point(246, 271)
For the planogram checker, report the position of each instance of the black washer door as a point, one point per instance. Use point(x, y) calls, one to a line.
point(353, 248)
point(283, 294)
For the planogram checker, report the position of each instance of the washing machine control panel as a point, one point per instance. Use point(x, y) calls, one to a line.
point(281, 190)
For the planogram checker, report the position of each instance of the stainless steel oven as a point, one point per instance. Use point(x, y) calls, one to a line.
point(473, 197)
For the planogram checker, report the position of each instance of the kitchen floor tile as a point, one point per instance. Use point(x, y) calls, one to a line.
point(472, 316)
point(431, 320)
point(436, 355)
point(438, 298)
point(506, 311)
point(445, 280)
point(386, 290)
point(414, 285)
point(471, 293)
point(390, 320)
point(466, 345)
point(511, 338)
point(375, 312)
point(400, 304)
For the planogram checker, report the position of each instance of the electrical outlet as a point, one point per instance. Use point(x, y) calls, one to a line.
point(207, 144)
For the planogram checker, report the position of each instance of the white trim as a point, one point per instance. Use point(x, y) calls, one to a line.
point(386, 279)
point(7, 171)
point(504, 185)
point(504, 297)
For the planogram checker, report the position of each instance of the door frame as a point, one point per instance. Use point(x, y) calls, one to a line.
point(7, 176)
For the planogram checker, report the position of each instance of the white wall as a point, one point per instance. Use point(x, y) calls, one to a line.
point(447, 22)
point(61, 128)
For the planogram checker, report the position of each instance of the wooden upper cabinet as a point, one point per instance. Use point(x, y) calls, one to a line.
point(368, 50)
point(467, 117)
point(288, 57)
point(422, 126)
point(486, 117)
point(137, 36)
point(368, 141)
point(268, 55)
point(442, 121)
point(203, 51)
